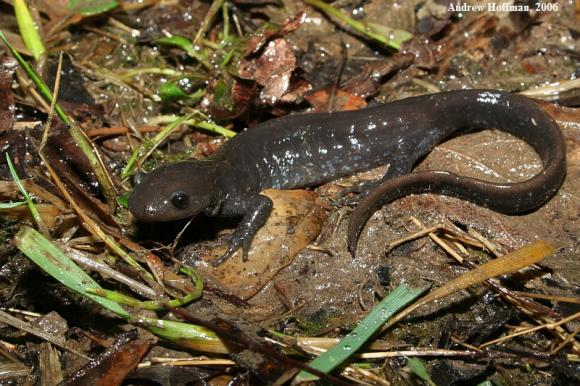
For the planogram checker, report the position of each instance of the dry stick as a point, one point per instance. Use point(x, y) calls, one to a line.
point(52, 106)
point(488, 244)
point(33, 330)
point(420, 353)
point(565, 341)
point(109, 131)
point(454, 234)
point(27, 85)
point(413, 236)
point(531, 329)
point(350, 372)
point(555, 298)
point(439, 241)
point(462, 343)
point(199, 360)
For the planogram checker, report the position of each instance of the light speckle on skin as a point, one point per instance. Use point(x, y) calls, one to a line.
point(534, 122)
point(488, 97)
point(151, 208)
point(355, 143)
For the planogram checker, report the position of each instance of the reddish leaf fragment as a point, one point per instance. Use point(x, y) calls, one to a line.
point(297, 89)
point(341, 101)
point(276, 59)
point(114, 364)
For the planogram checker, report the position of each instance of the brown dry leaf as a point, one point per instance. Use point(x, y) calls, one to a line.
point(50, 214)
point(258, 40)
point(295, 221)
point(370, 79)
point(272, 69)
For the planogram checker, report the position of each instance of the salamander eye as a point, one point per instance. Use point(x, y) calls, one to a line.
point(179, 199)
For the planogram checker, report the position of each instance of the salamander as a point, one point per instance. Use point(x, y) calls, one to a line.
point(310, 149)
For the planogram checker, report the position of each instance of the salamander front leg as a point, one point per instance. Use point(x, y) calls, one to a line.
point(258, 210)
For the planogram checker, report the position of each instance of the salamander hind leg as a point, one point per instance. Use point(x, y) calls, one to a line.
point(258, 210)
point(397, 168)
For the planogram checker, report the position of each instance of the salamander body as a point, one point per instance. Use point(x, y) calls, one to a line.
point(310, 149)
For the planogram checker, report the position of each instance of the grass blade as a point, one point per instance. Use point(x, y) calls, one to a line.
point(417, 366)
point(55, 263)
point(11, 205)
point(28, 29)
point(388, 36)
point(91, 7)
point(33, 211)
point(349, 345)
point(144, 151)
point(187, 45)
point(52, 261)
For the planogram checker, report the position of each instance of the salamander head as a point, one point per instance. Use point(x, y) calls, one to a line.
point(174, 192)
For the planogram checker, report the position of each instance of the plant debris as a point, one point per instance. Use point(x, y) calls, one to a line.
point(90, 297)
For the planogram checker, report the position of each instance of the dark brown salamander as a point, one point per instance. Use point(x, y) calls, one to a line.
point(310, 149)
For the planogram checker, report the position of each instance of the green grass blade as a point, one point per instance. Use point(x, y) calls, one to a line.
point(11, 205)
point(156, 305)
point(388, 36)
point(36, 79)
point(144, 151)
point(349, 345)
point(205, 125)
point(187, 45)
point(33, 211)
point(55, 263)
point(28, 29)
point(208, 19)
point(184, 334)
point(91, 7)
point(417, 366)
